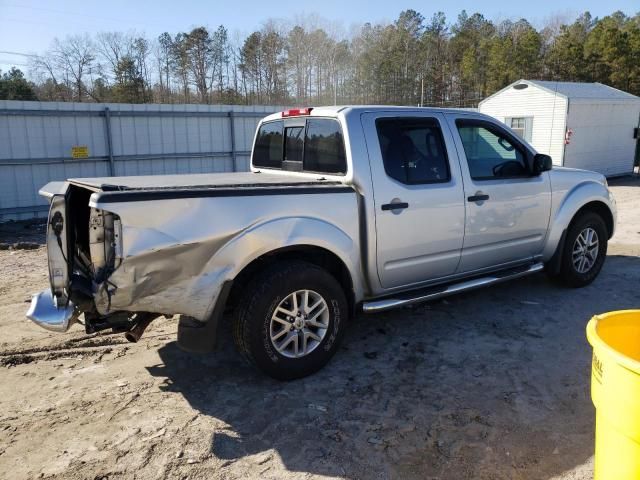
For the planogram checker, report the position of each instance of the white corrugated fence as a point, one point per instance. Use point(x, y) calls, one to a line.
point(45, 141)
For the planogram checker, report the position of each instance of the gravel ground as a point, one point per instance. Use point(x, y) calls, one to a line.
point(493, 384)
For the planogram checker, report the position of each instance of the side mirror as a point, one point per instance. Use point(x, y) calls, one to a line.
point(541, 163)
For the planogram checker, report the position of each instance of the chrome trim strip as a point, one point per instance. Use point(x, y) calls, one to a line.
point(375, 306)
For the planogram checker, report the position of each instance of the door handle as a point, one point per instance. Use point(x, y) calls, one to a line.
point(395, 206)
point(478, 197)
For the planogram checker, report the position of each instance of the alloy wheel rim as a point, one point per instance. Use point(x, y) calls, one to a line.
point(299, 323)
point(585, 250)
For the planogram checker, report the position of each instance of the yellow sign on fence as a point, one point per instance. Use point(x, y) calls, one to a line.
point(80, 151)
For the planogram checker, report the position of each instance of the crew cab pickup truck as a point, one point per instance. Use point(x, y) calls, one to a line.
point(345, 209)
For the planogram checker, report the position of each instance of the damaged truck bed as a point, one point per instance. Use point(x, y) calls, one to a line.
point(168, 244)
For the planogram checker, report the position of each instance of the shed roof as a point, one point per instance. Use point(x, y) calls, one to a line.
point(575, 90)
point(584, 90)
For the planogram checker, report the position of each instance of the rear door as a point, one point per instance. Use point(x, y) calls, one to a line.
point(508, 209)
point(418, 197)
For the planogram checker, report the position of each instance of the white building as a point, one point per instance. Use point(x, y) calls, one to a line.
point(581, 125)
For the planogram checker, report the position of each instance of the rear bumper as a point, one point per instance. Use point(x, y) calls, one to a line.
point(44, 312)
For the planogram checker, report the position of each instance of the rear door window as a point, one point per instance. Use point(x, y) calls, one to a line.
point(268, 149)
point(413, 150)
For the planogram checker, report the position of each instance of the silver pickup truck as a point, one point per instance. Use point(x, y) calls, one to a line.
point(345, 209)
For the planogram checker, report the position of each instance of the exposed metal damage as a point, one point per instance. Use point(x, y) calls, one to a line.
point(169, 280)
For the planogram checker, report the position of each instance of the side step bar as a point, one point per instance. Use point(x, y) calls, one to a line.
point(425, 295)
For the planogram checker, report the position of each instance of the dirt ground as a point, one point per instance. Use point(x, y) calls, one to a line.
point(493, 384)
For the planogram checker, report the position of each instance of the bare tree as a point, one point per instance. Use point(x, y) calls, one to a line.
point(70, 61)
point(113, 47)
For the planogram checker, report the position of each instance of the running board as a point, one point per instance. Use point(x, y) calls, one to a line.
point(425, 295)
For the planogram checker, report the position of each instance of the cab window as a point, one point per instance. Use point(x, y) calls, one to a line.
point(294, 138)
point(490, 153)
point(413, 150)
point(324, 147)
point(315, 145)
point(267, 151)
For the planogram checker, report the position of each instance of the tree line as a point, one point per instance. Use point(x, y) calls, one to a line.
point(412, 61)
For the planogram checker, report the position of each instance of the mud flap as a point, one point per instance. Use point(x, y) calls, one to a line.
point(553, 265)
point(200, 337)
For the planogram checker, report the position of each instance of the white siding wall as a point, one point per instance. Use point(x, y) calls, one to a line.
point(547, 109)
point(602, 137)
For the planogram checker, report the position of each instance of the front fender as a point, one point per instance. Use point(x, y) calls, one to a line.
point(272, 235)
point(565, 205)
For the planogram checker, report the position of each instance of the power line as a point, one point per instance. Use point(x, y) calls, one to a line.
point(18, 53)
point(100, 19)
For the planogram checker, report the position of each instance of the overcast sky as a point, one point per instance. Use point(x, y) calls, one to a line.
point(29, 26)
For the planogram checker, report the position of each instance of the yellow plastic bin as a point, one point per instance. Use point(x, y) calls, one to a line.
point(615, 391)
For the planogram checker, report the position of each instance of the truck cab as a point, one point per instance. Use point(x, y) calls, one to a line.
point(448, 193)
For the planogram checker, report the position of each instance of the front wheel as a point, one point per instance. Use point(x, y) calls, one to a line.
point(290, 319)
point(585, 250)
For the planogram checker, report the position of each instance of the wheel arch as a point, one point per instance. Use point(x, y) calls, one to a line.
point(586, 196)
point(595, 206)
point(313, 254)
point(601, 209)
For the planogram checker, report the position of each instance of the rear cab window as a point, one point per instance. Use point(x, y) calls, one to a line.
point(267, 151)
point(294, 141)
point(313, 144)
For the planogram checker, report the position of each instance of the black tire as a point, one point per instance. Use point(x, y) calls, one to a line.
point(569, 273)
point(252, 318)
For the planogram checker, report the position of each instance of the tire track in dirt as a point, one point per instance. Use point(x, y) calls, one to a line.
point(85, 346)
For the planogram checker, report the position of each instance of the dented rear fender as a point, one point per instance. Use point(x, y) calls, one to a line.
point(177, 254)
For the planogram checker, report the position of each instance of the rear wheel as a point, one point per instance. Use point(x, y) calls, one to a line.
point(585, 250)
point(290, 319)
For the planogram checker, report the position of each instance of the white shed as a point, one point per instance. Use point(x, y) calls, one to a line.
point(581, 125)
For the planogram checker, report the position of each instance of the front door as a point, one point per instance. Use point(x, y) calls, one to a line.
point(418, 197)
point(507, 208)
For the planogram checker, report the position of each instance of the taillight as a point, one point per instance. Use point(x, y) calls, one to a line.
point(295, 112)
